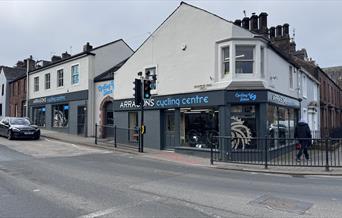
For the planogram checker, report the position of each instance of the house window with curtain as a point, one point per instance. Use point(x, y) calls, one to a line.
point(36, 84)
point(47, 81)
point(244, 59)
point(60, 78)
point(225, 60)
point(75, 74)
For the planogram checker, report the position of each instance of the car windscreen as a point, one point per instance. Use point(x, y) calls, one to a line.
point(19, 121)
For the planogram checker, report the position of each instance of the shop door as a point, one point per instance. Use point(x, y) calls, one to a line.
point(109, 120)
point(170, 133)
point(81, 120)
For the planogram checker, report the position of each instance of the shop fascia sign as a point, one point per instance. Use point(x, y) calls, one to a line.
point(245, 96)
point(106, 88)
point(51, 99)
point(168, 102)
point(282, 100)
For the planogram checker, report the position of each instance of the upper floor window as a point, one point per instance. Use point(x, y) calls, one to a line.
point(47, 81)
point(2, 89)
point(315, 93)
point(60, 78)
point(75, 74)
point(304, 86)
point(226, 60)
point(291, 77)
point(151, 74)
point(244, 59)
point(36, 84)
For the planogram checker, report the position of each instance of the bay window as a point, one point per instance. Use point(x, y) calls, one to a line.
point(244, 59)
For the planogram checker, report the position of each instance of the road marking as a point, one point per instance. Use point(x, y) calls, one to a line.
point(36, 190)
point(100, 213)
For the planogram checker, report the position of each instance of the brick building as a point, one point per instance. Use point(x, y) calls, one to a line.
point(17, 97)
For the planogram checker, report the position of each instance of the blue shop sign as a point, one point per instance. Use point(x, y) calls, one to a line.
point(107, 88)
point(245, 96)
point(54, 99)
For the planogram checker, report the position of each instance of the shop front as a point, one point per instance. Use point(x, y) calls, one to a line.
point(189, 122)
point(65, 113)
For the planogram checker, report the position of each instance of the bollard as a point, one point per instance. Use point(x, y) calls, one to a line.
point(95, 133)
point(266, 151)
point(326, 155)
point(115, 145)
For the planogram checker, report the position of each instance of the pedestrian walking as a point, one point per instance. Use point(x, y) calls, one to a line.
point(303, 135)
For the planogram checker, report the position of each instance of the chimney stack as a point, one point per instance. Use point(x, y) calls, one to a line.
point(279, 31)
point(245, 23)
point(237, 22)
point(56, 58)
point(254, 22)
point(87, 47)
point(65, 55)
point(263, 23)
point(30, 63)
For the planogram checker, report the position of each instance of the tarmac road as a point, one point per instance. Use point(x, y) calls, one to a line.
point(47, 178)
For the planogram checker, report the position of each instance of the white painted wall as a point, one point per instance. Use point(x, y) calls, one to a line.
point(3, 99)
point(102, 90)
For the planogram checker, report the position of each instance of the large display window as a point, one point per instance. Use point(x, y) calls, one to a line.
point(198, 127)
point(60, 118)
point(39, 116)
point(281, 124)
point(243, 127)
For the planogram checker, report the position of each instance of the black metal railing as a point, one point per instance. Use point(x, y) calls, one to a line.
point(111, 135)
point(278, 151)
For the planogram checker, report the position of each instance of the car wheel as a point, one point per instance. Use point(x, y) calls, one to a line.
point(10, 135)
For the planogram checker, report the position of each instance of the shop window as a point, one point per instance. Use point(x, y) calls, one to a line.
point(281, 125)
point(36, 84)
point(244, 59)
point(226, 60)
point(60, 115)
point(75, 74)
point(60, 78)
point(133, 126)
point(243, 127)
point(39, 116)
point(198, 128)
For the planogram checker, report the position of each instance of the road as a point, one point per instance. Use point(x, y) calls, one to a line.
point(47, 178)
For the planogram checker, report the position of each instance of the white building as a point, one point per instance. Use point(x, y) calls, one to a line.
point(62, 93)
point(7, 74)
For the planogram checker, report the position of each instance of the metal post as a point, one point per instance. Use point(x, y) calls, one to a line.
point(95, 133)
point(211, 154)
point(266, 152)
point(142, 116)
point(115, 145)
point(326, 155)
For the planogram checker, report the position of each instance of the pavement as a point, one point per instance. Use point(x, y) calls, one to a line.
point(171, 156)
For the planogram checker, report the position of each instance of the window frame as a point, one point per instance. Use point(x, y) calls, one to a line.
point(58, 79)
point(304, 86)
point(78, 74)
point(291, 78)
point(245, 60)
point(47, 82)
point(36, 84)
point(223, 61)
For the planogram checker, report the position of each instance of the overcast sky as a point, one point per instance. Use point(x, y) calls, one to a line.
point(44, 28)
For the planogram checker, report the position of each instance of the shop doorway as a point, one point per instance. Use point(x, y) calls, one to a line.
point(81, 120)
point(170, 130)
point(108, 119)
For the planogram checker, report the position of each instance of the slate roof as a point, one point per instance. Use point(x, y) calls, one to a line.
point(12, 73)
point(109, 74)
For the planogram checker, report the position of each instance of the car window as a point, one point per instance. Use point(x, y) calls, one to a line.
point(19, 121)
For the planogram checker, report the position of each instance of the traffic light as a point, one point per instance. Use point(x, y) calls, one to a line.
point(147, 89)
point(137, 92)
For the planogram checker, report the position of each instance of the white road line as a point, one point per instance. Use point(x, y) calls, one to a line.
point(100, 213)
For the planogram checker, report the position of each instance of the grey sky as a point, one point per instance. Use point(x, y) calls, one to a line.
point(43, 28)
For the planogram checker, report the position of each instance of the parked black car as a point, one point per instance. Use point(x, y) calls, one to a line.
point(18, 127)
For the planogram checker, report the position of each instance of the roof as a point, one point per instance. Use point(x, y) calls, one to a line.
point(84, 53)
point(109, 74)
point(12, 73)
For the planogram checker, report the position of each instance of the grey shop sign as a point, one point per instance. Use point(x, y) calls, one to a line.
point(282, 100)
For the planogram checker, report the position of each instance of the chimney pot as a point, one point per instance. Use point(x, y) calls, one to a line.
point(245, 23)
point(286, 30)
point(279, 30)
point(237, 22)
point(272, 32)
point(56, 58)
point(263, 23)
point(254, 22)
point(65, 55)
point(87, 47)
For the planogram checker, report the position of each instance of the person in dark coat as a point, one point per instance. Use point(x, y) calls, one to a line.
point(303, 135)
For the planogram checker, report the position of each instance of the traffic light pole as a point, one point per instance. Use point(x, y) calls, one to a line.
point(142, 117)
